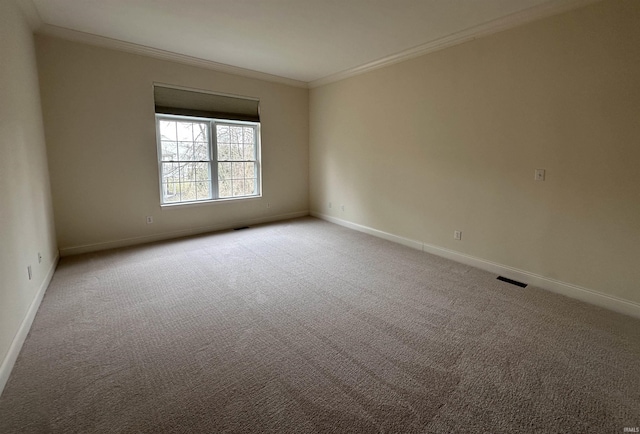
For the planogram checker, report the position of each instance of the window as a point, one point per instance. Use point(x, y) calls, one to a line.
point(208, 145)
point(207, 159)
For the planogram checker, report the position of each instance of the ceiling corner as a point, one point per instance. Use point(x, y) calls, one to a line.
point(554, 7)
point(129, 47)
point(31, 13)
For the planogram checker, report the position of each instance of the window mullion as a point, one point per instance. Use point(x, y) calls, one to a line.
point(213, 160)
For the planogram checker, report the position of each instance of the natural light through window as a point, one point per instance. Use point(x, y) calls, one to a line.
point(207, 159)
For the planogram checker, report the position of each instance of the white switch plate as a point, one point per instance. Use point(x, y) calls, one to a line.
point(539, 175)
point(457, 235)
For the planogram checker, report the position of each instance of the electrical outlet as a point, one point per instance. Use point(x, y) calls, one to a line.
point(539, 175)
point(457, 235)
point(342, 208)
point(149, 219)
point(268, 205)
point(330, 205)
point(39, 258)
point(29, 271)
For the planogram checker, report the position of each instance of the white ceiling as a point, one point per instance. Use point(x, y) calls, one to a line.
point(304, 40)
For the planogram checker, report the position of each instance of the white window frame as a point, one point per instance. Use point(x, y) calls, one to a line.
point(213, 158)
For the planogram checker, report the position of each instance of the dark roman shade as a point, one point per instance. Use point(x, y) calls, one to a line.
point(173, 101)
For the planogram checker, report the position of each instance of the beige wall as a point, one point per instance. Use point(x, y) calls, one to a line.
point(26, 217)
point(100, 128)
point(449, 141)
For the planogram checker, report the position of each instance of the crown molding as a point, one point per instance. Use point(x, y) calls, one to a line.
point(494, 26)
point(30, 13)
point(115, 44)
point(548, 9)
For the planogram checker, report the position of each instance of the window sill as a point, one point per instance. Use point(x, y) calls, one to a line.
point(208, 202)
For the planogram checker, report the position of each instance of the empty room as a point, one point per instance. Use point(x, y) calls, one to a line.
point(305, 216)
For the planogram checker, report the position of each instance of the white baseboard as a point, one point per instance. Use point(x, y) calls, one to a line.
point(23, 331)
point(124, 242)
point(375, 232)
point(567, 289)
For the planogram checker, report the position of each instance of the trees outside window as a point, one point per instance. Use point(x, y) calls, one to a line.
point(207, 159)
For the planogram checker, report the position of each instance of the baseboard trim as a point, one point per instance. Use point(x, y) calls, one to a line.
point(14, 350)
point(559, 287)
point(371, 231)
point(125, 242)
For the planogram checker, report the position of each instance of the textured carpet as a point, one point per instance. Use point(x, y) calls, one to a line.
point(304, 326)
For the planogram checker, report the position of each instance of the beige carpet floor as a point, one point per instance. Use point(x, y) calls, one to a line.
point(303, 326)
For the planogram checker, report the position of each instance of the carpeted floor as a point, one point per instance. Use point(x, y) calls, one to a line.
point(303, 326)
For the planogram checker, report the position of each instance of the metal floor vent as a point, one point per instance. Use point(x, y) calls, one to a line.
point(513, 282)
point(239, 229)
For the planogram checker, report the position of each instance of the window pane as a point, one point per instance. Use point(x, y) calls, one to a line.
point(222, 132)
point(238, 187)
point(249, 187)
point(224, 152)
point(185, 131)
point(203, 190)
point(224, 171)
point(248, 135)
point(249, 152)
point(202, 172)
point(237, 170)
point(188, 191)
point(169, 151)
point(236, 152)
point(187, 172)
point(185, 151)
point(249, 170)
point(235, 134)
point(170, 172)
point(200, 132)
point(170, 192)
point(168, 131)
point(224, 188)
point(201, 151)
